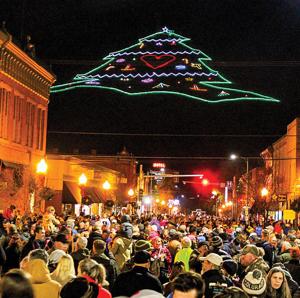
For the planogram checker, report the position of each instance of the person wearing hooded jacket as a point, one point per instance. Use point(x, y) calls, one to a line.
point(121, 245)
point(43, 285)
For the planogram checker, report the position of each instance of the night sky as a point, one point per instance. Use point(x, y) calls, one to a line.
point(228, 31)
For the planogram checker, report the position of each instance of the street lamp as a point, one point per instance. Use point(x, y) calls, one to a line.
point(264, 192)
point(41, 170)
point(130, 192)
point(42, 167)
point(246, 159)
point(82, 181)
point(106, 185)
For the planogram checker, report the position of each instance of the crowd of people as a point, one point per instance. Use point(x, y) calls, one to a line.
point(122, 255)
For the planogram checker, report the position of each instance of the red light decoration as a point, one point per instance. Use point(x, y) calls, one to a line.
point(155, 61)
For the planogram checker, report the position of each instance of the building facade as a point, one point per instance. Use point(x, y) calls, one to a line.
point(24, 96)
point(118, 172)
point(283, 167)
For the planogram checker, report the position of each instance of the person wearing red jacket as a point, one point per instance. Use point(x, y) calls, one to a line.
point(95, 273)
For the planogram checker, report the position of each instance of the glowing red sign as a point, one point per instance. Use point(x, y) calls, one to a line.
point(158, 165)
point(157, 61)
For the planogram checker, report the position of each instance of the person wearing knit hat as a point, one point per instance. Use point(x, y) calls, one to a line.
point(138, 278)
point(217, 245)
point(230, 267)
point(254, 283)
point(216, 241)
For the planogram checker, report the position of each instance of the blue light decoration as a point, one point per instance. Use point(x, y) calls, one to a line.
point(161, 63)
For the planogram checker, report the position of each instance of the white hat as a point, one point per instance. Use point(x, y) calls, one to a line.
point(254, 283)
point(147, 294)
point(213, 258)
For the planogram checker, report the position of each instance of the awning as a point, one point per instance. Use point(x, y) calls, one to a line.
point(71, 193)
point(8, 164)
point(94, 194)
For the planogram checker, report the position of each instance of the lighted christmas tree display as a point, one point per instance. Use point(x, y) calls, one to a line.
point(161, 63)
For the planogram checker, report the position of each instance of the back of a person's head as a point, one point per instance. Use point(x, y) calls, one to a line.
point(232, 292)
point(79, 287)
point(15, 284)
point(187, 281)
point(40, 254)
point(178, 267)
point(65, 266)
point(89, 267)
point(82, 242)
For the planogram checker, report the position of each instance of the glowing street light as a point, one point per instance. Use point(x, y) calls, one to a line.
point(82, 180)
point(130, 192)
point(246, 159)
point(106, 185)
point(147, 200)
point(264, 192)
point(42, 167)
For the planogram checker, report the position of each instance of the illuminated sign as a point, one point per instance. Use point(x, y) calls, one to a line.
point(159, 165)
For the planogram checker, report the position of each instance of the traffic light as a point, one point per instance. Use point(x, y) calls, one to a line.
point(205, 182)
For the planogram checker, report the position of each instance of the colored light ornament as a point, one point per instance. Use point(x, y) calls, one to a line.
point(157, 61)
point(160, 85)
point(92, 83)
point(196, 65)
point(128, 67)
point(189, 79)
point(147, 81)
point(109, 67)
point(173, 43)
point(159, 44)
point(196, 88)
point(180, 67)
point(223, 93)
point(117, 54)
point(160, 60)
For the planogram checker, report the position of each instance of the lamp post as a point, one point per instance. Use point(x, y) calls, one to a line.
point(82, 181)
point(41, 171)
point(246, 159)
point(106, 186)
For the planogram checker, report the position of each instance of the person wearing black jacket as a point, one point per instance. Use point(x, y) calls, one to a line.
point(94, 235)
point(138, 278)
point(213, 278)
point(35, 242)
point(109, 263)
point(81, 251)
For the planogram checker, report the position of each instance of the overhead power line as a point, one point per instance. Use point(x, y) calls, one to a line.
point(216, 63)
point(89, 133)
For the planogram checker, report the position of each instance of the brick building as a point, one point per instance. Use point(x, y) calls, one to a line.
point(24, 95)
point(283, 167)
